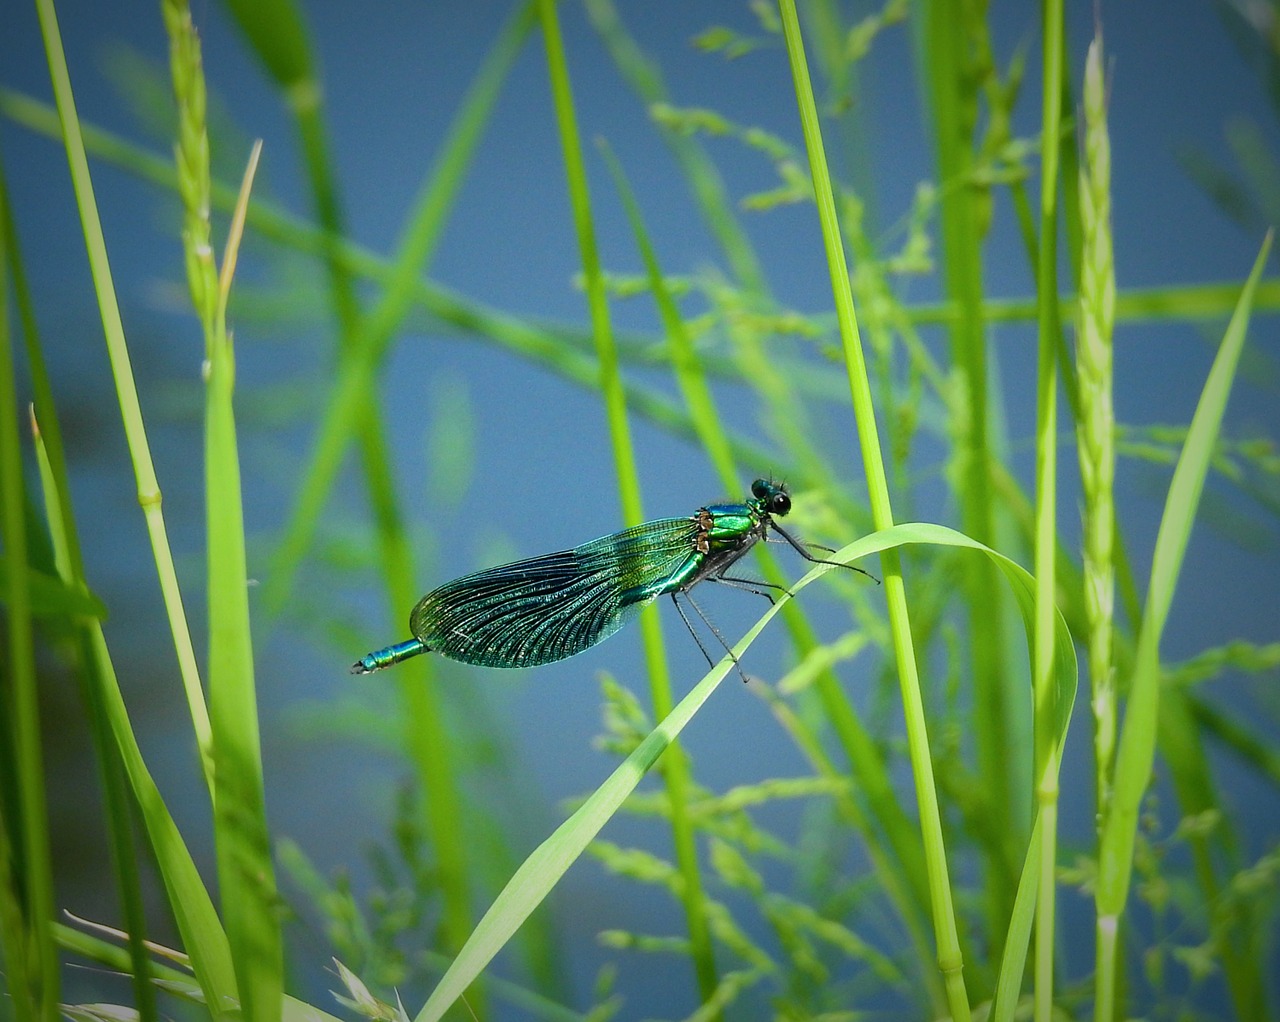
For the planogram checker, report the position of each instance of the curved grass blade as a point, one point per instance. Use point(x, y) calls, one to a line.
point(542, 870)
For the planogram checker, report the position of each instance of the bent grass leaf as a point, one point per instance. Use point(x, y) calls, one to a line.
point(542, 870)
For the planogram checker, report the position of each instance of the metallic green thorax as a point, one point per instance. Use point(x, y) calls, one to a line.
point(547, 608)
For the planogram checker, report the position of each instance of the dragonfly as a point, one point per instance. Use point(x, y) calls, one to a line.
point(549, 608)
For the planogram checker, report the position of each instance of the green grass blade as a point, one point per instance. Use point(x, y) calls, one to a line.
point(246, 876)
point(27, 936)
point(276, 31)
point(50, 597)
point(21, 984)
point(683, 357)
point(1047, 749)
point(1013, 959)
point(950, 956)
point(1136, 753)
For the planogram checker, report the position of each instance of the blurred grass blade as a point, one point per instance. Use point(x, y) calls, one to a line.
point(705, 181)
point(1136, 753)
point(27, 876)
point(1048, 750)
point(276, 31)
point(707, 422)
point(677, 775)
point(51, 597)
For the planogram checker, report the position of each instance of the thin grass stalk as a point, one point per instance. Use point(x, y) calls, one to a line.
point(1180, 302)
point(366, 338)
point(866, 760)
point(26, 932)
point(676, 770)
point(148, 486)
point(1095, 429)
point(954, 102)
point(1047, 751)
point(1135, 754)
point(949, 956)
point(710, 434)
point(685, 363)
point(1069, 200)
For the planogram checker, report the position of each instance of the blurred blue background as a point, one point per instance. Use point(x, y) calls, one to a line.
point(537, 475)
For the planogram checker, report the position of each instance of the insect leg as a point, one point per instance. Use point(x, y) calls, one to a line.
point(714, 631)
point(751, 585)
point(803, 551)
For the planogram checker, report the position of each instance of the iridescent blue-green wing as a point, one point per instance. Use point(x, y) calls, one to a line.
point(547, 608)
point(644, 556)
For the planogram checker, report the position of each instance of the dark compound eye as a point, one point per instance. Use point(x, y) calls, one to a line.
point(780, 504)
point(760, 489)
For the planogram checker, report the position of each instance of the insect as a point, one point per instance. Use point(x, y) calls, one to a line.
point(552, 607)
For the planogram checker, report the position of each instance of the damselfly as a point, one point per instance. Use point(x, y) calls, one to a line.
point(548, 608)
